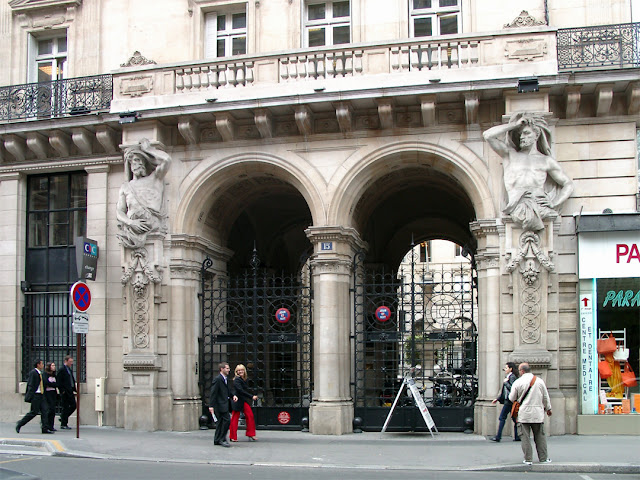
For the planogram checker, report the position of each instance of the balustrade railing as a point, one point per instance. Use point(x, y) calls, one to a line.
point(332, 63)
point(58, 98)
point(606, 46)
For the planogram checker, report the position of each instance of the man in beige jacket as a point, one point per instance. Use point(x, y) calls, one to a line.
point(531, 413)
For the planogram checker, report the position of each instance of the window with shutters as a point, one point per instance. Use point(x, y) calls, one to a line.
point(226, 32)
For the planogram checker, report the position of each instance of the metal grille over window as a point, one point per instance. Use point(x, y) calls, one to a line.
point(56, 215)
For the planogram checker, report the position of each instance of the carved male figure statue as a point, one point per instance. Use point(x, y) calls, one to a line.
point(536, 185)
point(140, 208)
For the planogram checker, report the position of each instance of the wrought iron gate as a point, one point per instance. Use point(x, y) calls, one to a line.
point(263, 321)
point(421, 322)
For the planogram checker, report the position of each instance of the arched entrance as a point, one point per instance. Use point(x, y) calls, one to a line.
point(256, 308)
point(415, 314)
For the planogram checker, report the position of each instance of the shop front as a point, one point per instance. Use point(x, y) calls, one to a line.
point(609, 330)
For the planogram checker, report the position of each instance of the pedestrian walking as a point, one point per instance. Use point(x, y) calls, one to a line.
point(511, 374)
point(243, 405)
point(534, 400)
point(220, 404)
point(51, 393)
point(35, 396)
point(67, 387)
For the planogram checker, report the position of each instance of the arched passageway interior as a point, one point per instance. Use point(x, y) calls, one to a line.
point(415, 297)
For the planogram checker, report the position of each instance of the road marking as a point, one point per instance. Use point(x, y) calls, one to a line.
point(586, 477)
point(15, 460)
point(31, 441)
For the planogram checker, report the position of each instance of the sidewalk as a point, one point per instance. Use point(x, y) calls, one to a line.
point(388, 451)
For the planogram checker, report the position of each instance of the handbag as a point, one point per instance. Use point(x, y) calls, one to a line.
point(604, 369)
point(607, 345)
point(515, 408)
point(621, 354)
point(628, 376)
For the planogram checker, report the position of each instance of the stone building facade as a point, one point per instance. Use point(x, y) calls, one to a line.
point(306, 132)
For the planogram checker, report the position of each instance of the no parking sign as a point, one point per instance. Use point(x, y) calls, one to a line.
point(81, 296)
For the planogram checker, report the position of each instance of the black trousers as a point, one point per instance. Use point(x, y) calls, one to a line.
point(40, 407)
point(51, 397)
point(222, 427)
point(68, 401)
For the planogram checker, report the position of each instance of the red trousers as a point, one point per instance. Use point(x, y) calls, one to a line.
point(250, 422)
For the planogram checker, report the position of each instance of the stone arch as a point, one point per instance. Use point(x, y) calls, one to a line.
point(203, 186)
point(446, 156)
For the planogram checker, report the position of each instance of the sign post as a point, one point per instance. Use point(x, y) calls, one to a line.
point(81, 299)
point(410, 383)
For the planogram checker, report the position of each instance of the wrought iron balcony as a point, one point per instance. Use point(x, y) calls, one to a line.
point(602, 46)
point(58, 98)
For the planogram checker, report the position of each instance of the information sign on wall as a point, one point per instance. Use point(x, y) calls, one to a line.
point(588, 357)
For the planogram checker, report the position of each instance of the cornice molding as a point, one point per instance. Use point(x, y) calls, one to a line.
point(21, 6)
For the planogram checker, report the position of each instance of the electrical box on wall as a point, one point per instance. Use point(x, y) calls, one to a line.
point(100, 391)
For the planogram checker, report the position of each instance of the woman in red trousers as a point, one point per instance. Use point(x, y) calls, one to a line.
point(245, 399)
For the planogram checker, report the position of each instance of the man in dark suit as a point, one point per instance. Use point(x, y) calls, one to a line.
point(220, 405)
point(67, 386)
point(35, 396)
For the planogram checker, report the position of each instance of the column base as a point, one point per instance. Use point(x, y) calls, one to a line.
point(331, 418)
point(485, 418)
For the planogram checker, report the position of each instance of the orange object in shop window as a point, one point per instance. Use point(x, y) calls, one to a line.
point(635, 406)
point(626, 405)
point(601, 408)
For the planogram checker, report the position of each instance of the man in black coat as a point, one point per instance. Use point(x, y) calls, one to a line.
point(35, 396)
point(67, 386)
point(220, 404)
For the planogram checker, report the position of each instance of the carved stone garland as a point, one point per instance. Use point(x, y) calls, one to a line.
point(140, 272)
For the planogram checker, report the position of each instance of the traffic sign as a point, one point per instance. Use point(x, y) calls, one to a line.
point(283, 315)
point(383, 313)
point(81, 296)
point(80, 322)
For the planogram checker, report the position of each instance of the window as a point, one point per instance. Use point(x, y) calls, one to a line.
point(50, 58)
point(226, 33)
point(327, 23)
point(434, 17)
point(56, 215)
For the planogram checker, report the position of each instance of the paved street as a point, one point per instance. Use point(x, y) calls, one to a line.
point(289, 451)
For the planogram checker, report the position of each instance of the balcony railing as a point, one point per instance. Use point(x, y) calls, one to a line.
point(603, 46)
point(58, 98)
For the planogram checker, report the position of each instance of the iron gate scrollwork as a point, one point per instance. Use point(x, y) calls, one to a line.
point(239, 325)
point(417, 321)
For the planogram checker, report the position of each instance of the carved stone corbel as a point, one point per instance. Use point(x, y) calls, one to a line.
point(344, 114)
point(82, 139)
point(264, 123)
point(60, 142)
point(385, 112)
point(37, 143)
point(107, 138)
point(189, 128)
point(16, 146)
point(428, 109)
point(304, 120)
point(225, 124)
point(572, 97)
point(633, 98)
point(471, 107)
point(604, 99)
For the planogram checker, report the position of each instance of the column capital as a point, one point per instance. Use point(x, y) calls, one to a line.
point(347, 239)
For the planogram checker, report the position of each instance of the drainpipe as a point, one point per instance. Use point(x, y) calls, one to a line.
point(546, 13)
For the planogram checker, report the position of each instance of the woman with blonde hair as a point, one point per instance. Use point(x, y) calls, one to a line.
point(242, 405)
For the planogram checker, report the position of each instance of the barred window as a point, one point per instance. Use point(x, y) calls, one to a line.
point(56, 215)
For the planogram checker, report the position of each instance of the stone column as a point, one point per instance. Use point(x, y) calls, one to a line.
point(487, 233)
point(331, 410)
point(185, 324)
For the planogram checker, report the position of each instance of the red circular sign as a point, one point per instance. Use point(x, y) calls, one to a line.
point(81, 296)
point(284, 417)
point(383, 313)
point(283, 315)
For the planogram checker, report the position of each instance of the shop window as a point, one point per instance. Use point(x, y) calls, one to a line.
point(618, 314)
point(226, 33)
point(327, 23)
point(56, 215)
point(434, 17)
